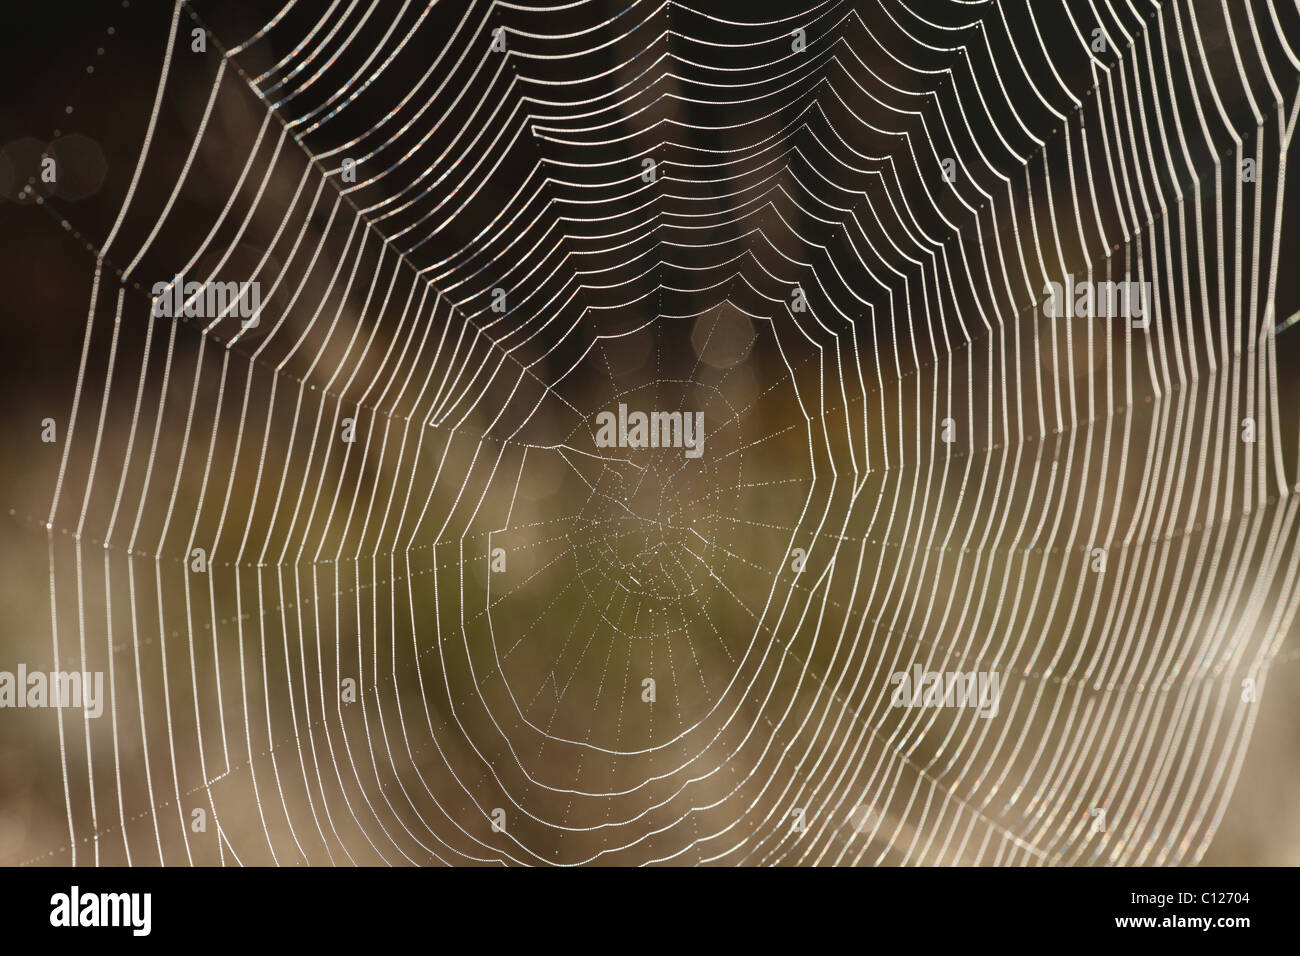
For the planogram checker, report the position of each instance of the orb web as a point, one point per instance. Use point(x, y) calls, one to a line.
point(435, 620)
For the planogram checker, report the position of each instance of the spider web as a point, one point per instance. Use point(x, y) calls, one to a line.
point(426, 602)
